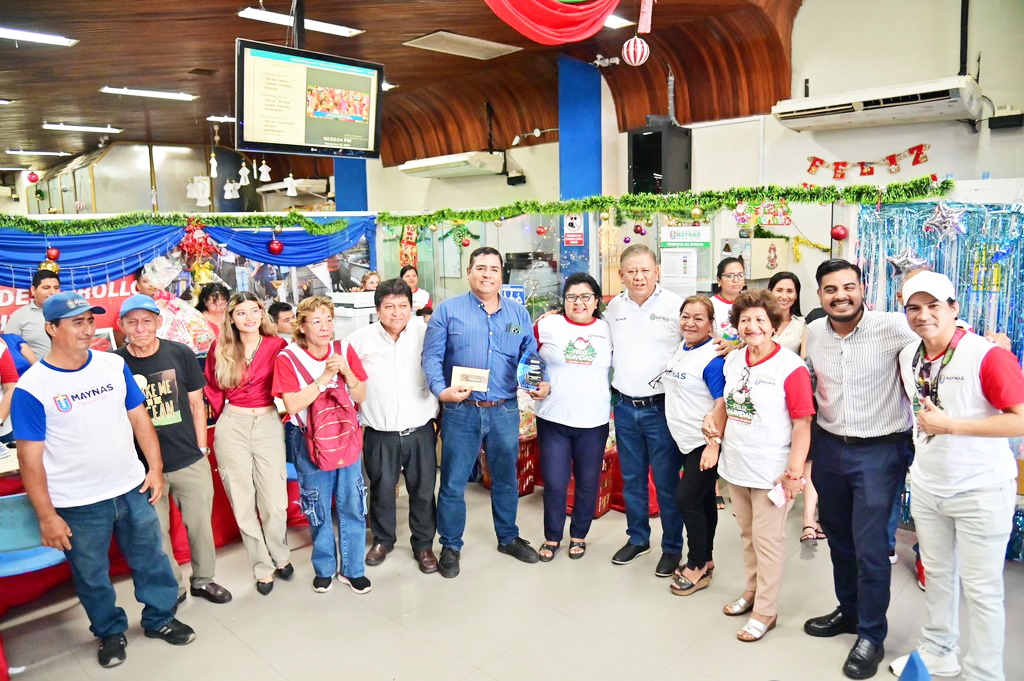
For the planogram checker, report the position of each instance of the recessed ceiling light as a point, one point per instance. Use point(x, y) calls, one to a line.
point(461, 45)
point(29, 152)
point(30, 37)
point(288, 20)
point(80, 128)
point(157, 94)
point(5, 102)
point(221, 119)
point(614, 22)
point(385, 86)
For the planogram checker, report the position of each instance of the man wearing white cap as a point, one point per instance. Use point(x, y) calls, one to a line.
point(968, 398)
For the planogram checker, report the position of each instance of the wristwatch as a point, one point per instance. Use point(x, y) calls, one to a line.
point(205, 451)
point(320, 386)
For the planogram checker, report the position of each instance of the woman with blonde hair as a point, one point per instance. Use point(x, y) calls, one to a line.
point(249, 439)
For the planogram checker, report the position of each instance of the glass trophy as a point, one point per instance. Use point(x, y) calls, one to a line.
point(530, 372)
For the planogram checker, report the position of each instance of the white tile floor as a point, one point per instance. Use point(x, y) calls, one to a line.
point(500, 620)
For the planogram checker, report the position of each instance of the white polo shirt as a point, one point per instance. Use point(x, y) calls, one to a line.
point(397, 394)
point(980, 380)
point(644, 338)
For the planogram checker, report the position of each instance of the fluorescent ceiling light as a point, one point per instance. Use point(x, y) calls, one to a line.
point(385, 86)
point(30, 37)
point(6, 168)
point(157, 94)
point(221, 119)
point(29, 152)
point(289, 20)
point(80, 128)
point(614, 22)
point(5, 102)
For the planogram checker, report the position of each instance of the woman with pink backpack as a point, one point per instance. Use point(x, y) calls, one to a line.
point(320, 381)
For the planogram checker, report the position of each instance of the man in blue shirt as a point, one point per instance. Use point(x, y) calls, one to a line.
point(480, 330)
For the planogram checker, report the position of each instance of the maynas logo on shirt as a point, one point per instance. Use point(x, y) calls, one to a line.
point(660, 318)
point(580, 351)
point(65, 402)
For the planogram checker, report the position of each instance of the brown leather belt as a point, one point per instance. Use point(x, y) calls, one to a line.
point(485, 403)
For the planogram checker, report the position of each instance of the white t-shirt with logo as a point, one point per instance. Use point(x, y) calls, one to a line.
point(578, 358)
point(81, 417)
point(761, 401)
point(693, 380)
point(980, 380)
point(722, 327)
point(644, 338)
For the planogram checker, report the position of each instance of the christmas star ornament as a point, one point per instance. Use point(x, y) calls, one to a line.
point(906, 261)
point(946, 220)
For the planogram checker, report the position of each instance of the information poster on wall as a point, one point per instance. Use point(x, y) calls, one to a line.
point(679, 270)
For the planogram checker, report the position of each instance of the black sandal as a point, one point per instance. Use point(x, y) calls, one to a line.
point(720, 502)
point(546, 552)
point(582, 545)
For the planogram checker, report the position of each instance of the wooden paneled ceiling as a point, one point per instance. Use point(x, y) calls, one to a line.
point(730, 58)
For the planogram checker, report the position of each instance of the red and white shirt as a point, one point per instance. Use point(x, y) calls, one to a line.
point(420, 299)
point(8, 374)
point(980, 380)
point(761, 401)
point(722, 327)
point(288, 380)
point(578, 359)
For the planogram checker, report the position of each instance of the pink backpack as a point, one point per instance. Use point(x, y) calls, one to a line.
point(333, 436)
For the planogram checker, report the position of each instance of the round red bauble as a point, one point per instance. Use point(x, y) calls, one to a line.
point(637, 229)
point(52, 253)
point(32, 177)
point(635, 51)
point(275, 247)
point(839, 233)
point(542, 230)
point(465, 242)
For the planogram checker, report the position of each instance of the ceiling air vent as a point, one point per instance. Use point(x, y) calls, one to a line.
point(461, 45)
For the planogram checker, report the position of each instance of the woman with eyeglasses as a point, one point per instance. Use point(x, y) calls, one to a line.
point(572, 423)
point(693, 382)
point(767, 414)
point(730, 279)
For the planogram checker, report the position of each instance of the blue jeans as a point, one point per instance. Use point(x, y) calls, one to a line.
point(134, 522)
point(317, 490)
point(644, 443)
point(856, 485)
point(567, 452)
point(463, 428)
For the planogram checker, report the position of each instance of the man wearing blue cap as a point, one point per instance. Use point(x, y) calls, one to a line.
point(172, 382)
point(75, 414)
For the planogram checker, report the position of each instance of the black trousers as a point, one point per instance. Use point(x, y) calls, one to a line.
point(695, 498)
point(386, 456)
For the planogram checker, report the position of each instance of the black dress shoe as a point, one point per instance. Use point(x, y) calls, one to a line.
point(520, 549)
point(630, 552)
point(829, 625)
point(862, 662)
point(264, 587)
point(448, 563)
point(181, 599)
point(286, 573)
point(212, 592)
point(667, 565)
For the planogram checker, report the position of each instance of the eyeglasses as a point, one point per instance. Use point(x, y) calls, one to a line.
point(924, 377)
point(582, 297)
point(734, 276)
point(655, 382)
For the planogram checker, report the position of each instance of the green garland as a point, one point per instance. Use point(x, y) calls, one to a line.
point(635, 206)
point(128, 220)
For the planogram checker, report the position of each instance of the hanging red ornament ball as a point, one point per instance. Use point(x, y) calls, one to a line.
point(32, 177)
point(635, 51)
point(542, 230)
point(625, 239)
point(52, 253)
point(275, 247)
point(465, 242)
point(636, 229)
point(839, 233)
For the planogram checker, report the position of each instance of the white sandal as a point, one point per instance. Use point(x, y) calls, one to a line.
point(755, 630)
point(741, 606)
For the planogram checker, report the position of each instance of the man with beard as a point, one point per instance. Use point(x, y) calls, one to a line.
point(862, 447)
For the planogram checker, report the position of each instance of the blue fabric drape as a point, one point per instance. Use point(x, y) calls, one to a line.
point(93, 259)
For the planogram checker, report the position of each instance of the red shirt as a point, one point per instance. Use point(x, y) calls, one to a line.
point(8, 372)
point(255, 389)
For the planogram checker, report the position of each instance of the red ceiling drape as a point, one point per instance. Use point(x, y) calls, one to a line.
point(551, 22)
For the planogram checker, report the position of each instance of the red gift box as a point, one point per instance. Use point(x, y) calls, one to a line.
point(527, 466)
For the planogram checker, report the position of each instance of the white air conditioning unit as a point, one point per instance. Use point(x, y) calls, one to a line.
point(456, 165)
point(957, 98)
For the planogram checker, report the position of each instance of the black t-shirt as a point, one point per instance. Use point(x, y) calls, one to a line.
point(166, 378)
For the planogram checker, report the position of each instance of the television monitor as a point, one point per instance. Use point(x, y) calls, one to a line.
point(290, 101)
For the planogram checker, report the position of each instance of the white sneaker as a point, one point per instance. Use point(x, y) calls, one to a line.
point(893, 558)
point(937, 665)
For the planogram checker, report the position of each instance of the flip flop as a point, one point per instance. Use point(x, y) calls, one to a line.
point(546, 552)
point(741, 606)
point(754, 630)
point(577, 545)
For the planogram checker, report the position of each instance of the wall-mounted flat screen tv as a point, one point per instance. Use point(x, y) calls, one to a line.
point(290, 101)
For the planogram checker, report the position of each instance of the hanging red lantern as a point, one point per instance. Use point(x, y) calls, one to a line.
point(32, 177)
point(839, 233)
point(465, 242)
point(275, 247)
point(635, 51)
point(52, 253)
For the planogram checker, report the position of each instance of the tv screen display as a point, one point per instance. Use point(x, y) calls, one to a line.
point(292, 101)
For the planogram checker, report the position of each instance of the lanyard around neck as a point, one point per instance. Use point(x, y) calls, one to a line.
point(930, 388)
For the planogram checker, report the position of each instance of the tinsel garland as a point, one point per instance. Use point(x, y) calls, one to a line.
point(795, 241)
point(129, 220)
point(680, 205)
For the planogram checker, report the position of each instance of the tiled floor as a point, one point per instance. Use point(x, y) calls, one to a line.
point(499, 621)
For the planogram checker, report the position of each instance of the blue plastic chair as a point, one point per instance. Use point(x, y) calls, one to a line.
point(21, 549)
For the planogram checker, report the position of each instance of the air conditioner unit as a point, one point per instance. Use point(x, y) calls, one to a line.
point(456, 165)
point(957, 98)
